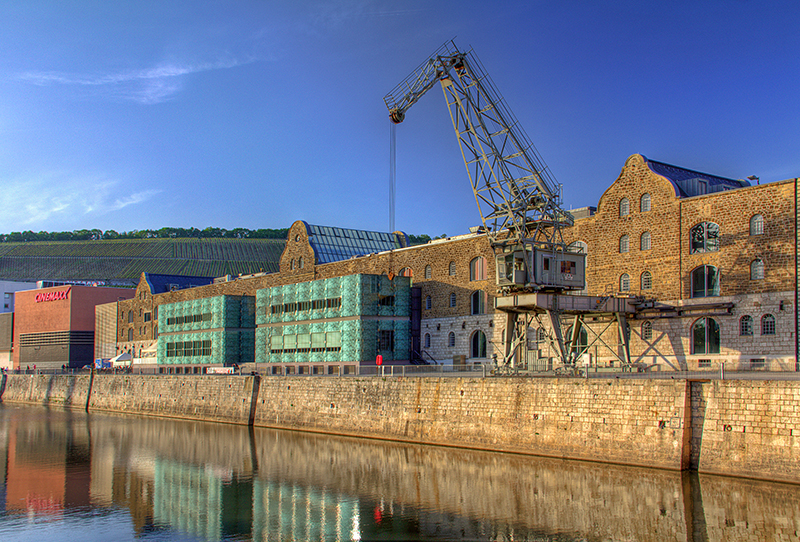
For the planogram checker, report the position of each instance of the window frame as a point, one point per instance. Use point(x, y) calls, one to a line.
point(645, 241)
point(768, 325)
point(646, 281)
point(478, 346)
point(757, 224)
point(757, 269)
point(624, 207)
point(477, 303)
point(708, 347)
point(451, 339)
point(645, 203)
point(428, 272)
point(706, 281)
point(625, 282)
point(647, 330)
point(477, 269)
point(624, 244)
point(746, 326)
point(704, 237)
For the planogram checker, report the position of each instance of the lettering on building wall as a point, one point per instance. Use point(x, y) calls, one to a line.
point(53, 296)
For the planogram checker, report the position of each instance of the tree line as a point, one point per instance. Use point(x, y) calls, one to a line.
point(162, 233)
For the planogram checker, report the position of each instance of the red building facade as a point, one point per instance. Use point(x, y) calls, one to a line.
point(54, 327)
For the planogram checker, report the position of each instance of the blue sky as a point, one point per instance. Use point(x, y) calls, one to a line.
point(133, 115)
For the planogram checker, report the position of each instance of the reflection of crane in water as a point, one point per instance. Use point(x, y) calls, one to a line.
point(520, 206)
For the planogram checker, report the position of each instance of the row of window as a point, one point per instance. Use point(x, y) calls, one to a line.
point(705, 334)
point(182, 349)
point(625, 205)
point(300, 306)
point(146, 315)
point(477, 302)
point(330, 341)
point(477, 270)
point(705, 279)
point(189, 319)
point(477, 343)
point(703, 237)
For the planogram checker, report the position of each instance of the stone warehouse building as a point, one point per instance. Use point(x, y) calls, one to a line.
point(708, 262)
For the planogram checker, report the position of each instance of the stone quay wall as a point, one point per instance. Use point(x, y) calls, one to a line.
point(741, 428)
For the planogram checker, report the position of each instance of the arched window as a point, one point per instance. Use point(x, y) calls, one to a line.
point(452, 269)
point(757, 269)
point(746, 326)
point(451, 339)
point(624, 207)
point(291, 264)
point(406, 272)
point(478, 302)
point(427, 342)
point(624, 282)
point(705, 281)
point(644, 241)
point(477, 268)
point(478, 343)
point(705, 336)
point(300, 262)
point(704, 238)
point(623, 244)
point(541, 335)
point(453, 299)
point(130, 317)
point(428, 271)
point(647, 281)
point(756, 225)
point(428, 302)
point(647, 331)
point(768, 325)
point(130, 334)
point(645, 203)
point(581, 343)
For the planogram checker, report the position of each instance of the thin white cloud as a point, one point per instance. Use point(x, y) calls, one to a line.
point(56, 200)
point(147, 86)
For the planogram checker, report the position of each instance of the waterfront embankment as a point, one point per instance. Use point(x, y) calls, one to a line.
point(739, 428)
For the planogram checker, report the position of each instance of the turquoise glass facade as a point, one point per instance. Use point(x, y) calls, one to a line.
point(214, 330)
point(341, 319)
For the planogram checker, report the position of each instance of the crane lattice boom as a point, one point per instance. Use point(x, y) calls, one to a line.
point(518, 198)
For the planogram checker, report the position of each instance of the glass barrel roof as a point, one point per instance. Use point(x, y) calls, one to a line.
point(333, 244)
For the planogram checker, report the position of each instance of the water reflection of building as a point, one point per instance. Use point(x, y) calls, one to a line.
point(206, 502)
point(47, 467)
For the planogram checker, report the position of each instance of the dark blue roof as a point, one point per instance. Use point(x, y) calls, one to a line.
point(690, 183)
point(168, 283)
point(333, 244)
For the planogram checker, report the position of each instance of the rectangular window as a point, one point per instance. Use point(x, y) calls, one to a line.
point(148, 316)
point(333, 341)
point(207, 347)
point(385, 340)
point(276, 344)
point(704, 363)
point(303, 342)
point(317, 342)
point(386, 301)
point(289, 343)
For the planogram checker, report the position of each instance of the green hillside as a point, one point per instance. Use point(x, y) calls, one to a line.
point(124, 260)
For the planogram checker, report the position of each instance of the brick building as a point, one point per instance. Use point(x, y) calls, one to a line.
point(708, 263)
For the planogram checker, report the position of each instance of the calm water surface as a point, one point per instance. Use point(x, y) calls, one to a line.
point(75, 476)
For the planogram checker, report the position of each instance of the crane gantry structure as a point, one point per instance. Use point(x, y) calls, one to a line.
point(519, 201)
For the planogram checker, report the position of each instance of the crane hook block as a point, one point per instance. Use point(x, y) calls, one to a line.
point(397, 116)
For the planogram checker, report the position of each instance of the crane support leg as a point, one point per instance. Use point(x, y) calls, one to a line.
point(623, 333)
